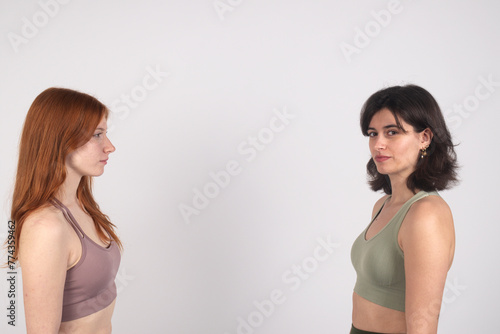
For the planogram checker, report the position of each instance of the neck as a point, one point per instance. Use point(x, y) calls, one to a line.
point(67, 192)
point(400, 191)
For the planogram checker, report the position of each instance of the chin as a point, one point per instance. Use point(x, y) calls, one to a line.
point(383, 171)
point(96, 173)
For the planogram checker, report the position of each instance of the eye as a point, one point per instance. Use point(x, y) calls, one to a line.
point(97, 135)
point(392, 132)
point(372, 134)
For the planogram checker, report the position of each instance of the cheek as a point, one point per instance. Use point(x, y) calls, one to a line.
point(371, 145)
point(78, 156)
point(411, 150)
point(73, 159)
point(86, 150)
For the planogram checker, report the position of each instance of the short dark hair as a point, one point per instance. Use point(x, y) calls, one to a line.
point(417, 107)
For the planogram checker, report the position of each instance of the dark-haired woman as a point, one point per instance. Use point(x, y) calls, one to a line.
point(67, 248)
point(403, 256)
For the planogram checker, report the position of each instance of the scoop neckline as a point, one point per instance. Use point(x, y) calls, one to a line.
point(390, 220)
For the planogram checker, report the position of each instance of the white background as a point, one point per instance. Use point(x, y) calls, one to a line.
point(228, 74)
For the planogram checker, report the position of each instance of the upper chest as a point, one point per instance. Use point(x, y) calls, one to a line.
point(381, 220)
point(87, 225)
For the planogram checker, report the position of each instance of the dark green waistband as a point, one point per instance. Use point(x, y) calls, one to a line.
point(354, 330)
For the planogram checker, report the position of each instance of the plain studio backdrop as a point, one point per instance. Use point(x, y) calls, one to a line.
point(238, 184)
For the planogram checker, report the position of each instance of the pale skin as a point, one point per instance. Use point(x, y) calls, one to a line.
point(426, 237)
point(49, 246)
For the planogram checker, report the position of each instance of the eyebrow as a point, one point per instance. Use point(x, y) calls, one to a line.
point(100, 129)
point(386, 127)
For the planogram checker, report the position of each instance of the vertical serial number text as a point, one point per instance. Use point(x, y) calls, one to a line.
point(11, 275)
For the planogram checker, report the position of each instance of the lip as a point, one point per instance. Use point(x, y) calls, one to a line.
point(104, 161)
point(381, 158)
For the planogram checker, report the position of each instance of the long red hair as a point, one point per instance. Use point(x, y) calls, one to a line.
point(58, 122)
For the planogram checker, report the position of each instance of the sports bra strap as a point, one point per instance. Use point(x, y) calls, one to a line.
point(381, 207)
point(69, 217)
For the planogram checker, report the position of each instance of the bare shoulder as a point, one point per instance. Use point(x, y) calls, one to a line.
point(430, 208)
point(428, 220)
point(46, 218)
point(43, 228)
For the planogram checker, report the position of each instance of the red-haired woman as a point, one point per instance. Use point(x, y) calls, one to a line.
point(403, 256)
point(68, 250)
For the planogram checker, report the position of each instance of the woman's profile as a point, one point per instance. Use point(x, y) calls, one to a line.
point(403, 256)
point(67, 248)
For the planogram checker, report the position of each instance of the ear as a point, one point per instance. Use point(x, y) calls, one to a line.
point(426, 137)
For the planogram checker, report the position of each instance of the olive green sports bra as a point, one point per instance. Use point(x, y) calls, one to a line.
point(379, 261)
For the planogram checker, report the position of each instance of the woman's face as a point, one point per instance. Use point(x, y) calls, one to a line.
point(90, 159)
point(395, 152)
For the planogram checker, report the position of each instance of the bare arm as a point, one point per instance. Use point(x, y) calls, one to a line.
point(43, 257)
point(427, 238)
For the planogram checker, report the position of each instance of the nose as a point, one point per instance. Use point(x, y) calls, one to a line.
point(109, 147)
point(380, 143)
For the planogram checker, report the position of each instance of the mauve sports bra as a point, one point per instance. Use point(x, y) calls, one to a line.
point(90, 284)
